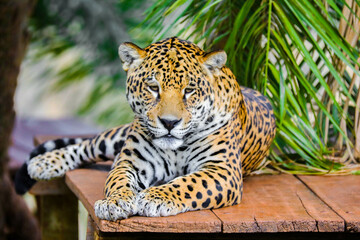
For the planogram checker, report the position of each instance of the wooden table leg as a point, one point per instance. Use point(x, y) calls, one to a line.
point(58, 216)
point(90, 231)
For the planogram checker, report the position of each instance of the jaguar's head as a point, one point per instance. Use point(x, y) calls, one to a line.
point(170, 88)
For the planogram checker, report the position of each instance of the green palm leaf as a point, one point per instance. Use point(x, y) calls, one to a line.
point(293, 52)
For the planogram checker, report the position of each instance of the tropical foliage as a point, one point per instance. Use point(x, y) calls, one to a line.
point(78, 40)
point(302, 54)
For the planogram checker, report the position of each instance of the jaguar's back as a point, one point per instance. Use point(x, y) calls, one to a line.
point(259, 132)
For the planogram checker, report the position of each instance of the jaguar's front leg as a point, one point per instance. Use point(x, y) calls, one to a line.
point(123, 183)
point(120, 193)
point(213, 186)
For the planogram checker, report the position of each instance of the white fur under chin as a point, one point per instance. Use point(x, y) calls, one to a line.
point(168, 143)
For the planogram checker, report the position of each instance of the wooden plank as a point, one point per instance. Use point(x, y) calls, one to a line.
point(88, 184)
point(278, 203)
point(340, 193)
point(94, 233)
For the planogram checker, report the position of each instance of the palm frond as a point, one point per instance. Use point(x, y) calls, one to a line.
point(299, 55)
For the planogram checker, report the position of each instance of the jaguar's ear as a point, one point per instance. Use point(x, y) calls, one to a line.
point(131, 55)
point(214, 61)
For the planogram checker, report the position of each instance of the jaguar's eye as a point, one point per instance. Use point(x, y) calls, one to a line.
point(154, 88)
point(189, 90)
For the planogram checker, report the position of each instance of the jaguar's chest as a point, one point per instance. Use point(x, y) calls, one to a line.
point(184, 160)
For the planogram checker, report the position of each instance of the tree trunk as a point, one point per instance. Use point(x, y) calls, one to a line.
point(16, 222)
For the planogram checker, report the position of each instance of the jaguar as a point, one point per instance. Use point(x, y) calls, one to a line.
point(195, 135)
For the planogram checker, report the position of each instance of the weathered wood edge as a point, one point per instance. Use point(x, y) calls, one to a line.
point(351, 220)
point(185, 223)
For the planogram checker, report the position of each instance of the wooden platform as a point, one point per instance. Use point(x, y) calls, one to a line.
point(272, 203)
point(293, 207)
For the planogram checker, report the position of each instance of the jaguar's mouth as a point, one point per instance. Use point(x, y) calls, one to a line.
point(167, 136)
point(168, 141)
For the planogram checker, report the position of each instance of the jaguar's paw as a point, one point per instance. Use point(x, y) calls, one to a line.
point(153, 203)
point(114, 209)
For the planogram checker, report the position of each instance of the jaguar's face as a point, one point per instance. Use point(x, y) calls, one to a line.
point(170, 88)
point(172, 105)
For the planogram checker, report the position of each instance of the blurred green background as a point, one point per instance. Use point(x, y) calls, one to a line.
point(303, 55)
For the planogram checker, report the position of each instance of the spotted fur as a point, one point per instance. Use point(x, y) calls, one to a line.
point(195, 134)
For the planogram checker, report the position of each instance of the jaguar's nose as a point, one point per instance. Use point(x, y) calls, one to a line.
point(169, 123)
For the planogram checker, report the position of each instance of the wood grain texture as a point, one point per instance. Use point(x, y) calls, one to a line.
point(341, 194)
point(278, 203)
point(88, 184)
